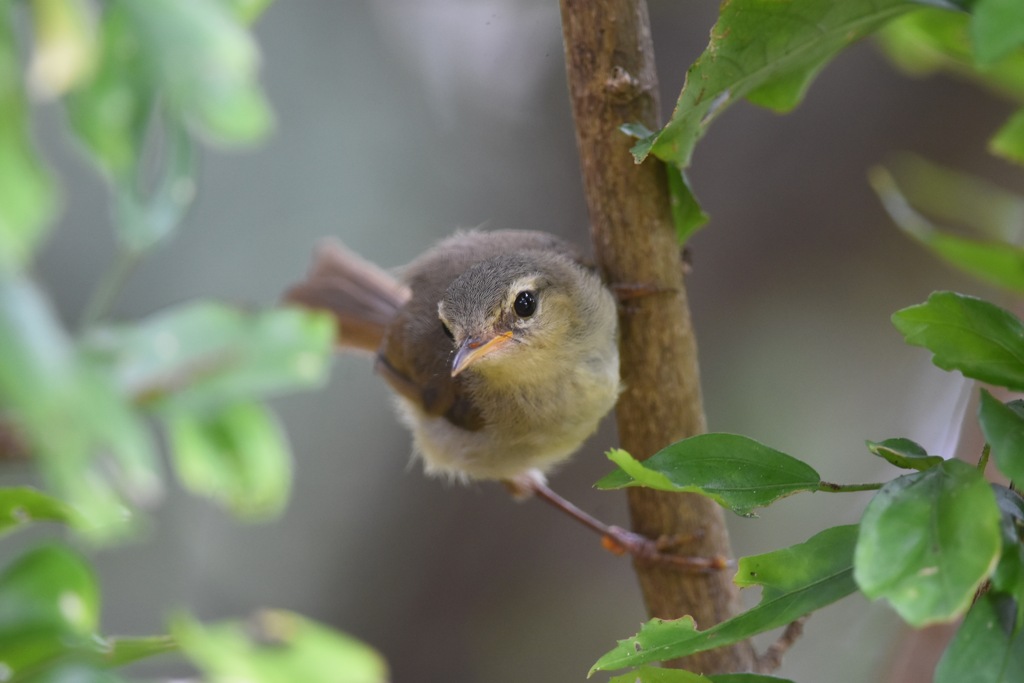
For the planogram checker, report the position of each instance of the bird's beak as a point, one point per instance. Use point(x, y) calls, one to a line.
point(475, 348)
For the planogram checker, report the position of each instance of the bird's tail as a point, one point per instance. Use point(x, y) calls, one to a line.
point(363, 298)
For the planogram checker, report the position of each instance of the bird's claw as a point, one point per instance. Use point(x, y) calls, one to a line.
point(619, 541)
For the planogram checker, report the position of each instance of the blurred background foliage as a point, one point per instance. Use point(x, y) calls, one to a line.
point(395, 121)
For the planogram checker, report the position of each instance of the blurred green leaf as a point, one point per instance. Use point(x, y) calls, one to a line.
point(958, 198)
point(911, 184)
point(206, 64)
point(904, 453)
point(85, 671)
point(49, 602)
point(247, 11)
point(964, 333)
point(238, 457)
point(927, 542)
point(997, 28)
point(122, 651)
point(167, 66)
point(1004, 431)
point(110, 114)
point(101, 454)
point(22, 505)
point(987, 648)
point(931, 40)
point(27, 196)
point(737, 472)
point(64, 53)
point(277, 647)
point(648, 674)
point(202, 356)
point(795, 581)
point(928, 41)
point(1008, 141)
point(146, 218)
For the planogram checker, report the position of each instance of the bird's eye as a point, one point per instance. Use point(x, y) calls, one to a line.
point(447, 332)
point(525, 304)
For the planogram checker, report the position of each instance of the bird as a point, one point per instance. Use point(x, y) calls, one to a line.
point(502, 350)
point(501, 347)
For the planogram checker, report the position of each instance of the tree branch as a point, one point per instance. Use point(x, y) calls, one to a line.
point(610, 63)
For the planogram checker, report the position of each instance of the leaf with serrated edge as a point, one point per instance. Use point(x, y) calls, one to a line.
point(737, 472)
point(796, 581)
point(746, 58)
point(973, 336)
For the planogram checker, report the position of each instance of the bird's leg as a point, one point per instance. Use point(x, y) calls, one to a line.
point(615, 539)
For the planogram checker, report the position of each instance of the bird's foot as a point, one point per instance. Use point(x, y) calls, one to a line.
point(619, 541)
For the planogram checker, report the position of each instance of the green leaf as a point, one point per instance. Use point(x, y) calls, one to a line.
point(122, 651)
point(904, 453)
point(246, 11)
point(27, 196)
point(987, 648)
point(23, 505)
point(277, 647)
point(687, 215)
point(238, 457)
point(912, 183)
point(648, 674)
point(997, 28)
point(102, 456)
point(49, 602)
point(796, 581)
point(1009, 574)
point(1008, 142)
point(202, 356)
point(85, 671)
point(110, 114)
point(929, 41)
point(1004, 431)
point(767, 53)
point(206, 64)
point(927, 542)
point(973, 336)
point(762, 51)
point(191, 59)
point(738, 473)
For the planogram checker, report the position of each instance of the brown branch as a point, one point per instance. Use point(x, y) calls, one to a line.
point(771, 659)
point(610, 64)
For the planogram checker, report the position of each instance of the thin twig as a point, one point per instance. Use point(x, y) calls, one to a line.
point(771, 659)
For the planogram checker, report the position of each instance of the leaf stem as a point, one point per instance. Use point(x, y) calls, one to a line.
point(829, 487)
point(983, 460)
point(109, 287)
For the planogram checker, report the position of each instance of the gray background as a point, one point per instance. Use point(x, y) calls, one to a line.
point(399, 120)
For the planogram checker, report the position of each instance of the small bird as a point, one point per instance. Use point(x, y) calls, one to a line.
point(502, 347)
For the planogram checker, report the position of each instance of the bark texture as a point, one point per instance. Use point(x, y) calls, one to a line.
point(612, 80)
